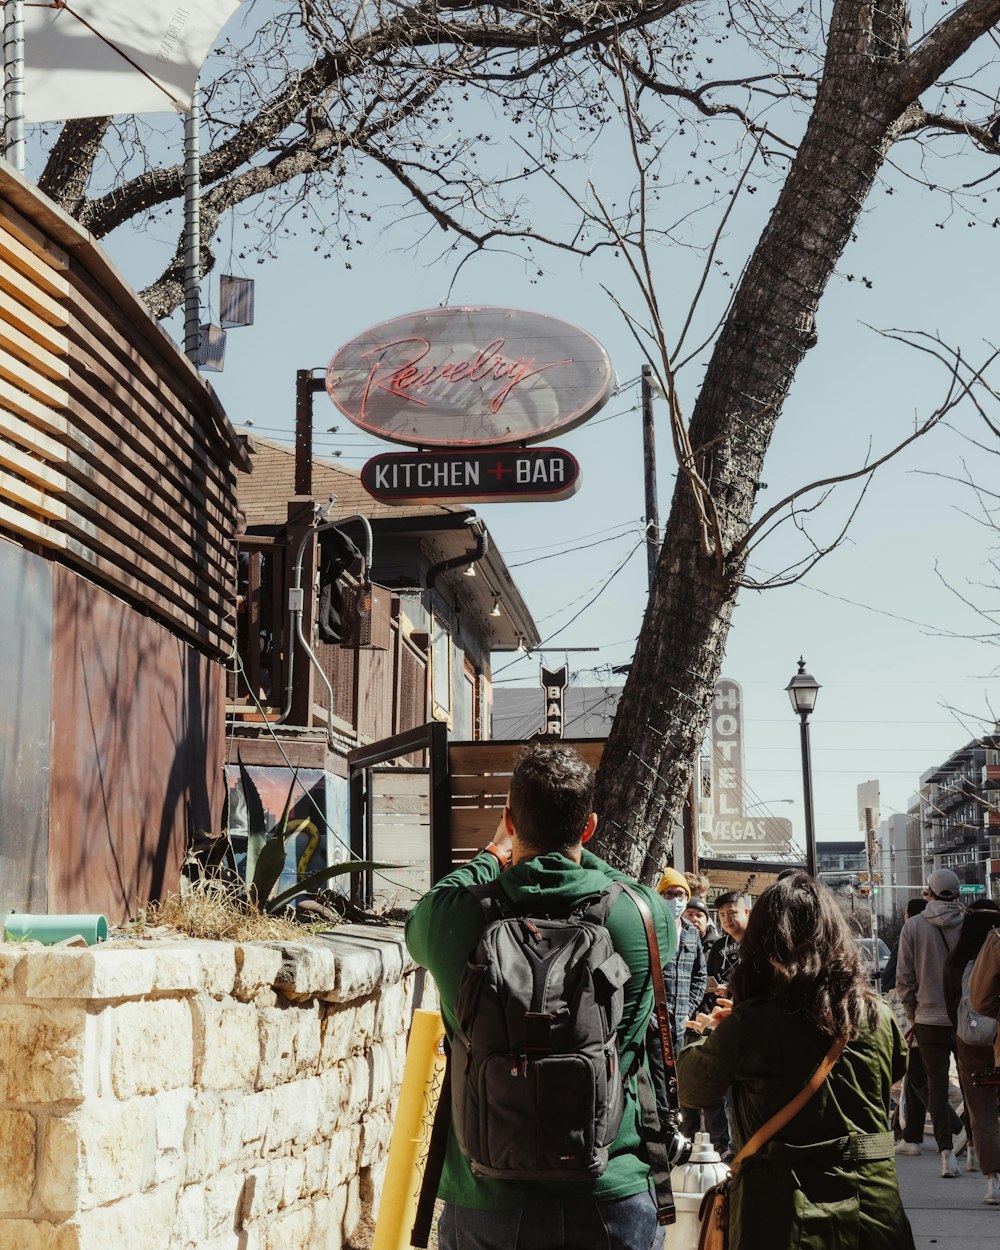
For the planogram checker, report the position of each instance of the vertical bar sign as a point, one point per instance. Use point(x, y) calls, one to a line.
point(554, 683)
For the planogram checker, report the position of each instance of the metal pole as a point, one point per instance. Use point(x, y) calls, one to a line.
point(807, 793)
point(649, 473)
point(305, 387)
point(192, 227)
point(13, 91)
point(871, 837)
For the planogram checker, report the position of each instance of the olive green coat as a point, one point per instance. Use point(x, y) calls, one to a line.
point(805, 1190)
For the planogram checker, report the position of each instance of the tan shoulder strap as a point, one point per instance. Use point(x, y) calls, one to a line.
point(660, 1008)
point(791, 1109)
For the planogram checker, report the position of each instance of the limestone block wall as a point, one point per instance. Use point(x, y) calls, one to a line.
point(173, 1095)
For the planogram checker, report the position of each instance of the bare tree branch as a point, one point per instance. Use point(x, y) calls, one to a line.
point(957, 391)
point(917, 119)
point(942, 47)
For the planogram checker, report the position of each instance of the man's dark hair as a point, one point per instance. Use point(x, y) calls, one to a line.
point(734, 898)
point(914, 907)
point(551, 797)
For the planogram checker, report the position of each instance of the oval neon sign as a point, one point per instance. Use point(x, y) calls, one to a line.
point(454, 377)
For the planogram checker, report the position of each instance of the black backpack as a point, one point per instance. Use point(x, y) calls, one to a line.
point(536, 1091)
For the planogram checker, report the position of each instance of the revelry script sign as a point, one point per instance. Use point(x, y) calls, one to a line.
point(461, 377)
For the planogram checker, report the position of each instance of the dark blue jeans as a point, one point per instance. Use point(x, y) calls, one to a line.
point(626, 1224)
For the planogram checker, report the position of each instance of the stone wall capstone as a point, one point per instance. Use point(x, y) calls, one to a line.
point(186, 1095)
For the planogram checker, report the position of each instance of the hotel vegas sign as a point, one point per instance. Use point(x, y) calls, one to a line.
point(455, 382)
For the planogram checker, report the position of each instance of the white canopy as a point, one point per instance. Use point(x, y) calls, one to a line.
point(92, 58)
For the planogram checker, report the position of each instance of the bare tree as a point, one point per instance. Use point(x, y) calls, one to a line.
point(327, 111)
point(868, 99)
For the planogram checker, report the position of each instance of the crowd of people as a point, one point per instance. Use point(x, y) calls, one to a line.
point(772, 1039)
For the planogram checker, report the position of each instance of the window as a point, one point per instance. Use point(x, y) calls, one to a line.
point(441, 670)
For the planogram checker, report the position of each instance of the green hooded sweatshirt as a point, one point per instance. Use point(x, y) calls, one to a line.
point(442, 933)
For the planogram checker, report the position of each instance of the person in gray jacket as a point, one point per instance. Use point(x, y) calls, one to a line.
point(924, 944)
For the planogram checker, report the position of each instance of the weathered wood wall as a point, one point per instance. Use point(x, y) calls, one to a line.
point(117, 524)
point(137, 747)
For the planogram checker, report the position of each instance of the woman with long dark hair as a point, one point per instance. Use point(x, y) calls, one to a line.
point(974, 1045)
point(828, 1178)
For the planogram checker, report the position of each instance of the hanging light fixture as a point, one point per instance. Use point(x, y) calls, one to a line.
point(235, 301)
point(470, 570)
point(211, 348)
point(495, 610)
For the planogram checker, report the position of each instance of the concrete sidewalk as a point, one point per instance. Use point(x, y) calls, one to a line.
point(946, 1214)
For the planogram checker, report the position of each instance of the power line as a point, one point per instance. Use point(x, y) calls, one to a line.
point(517, 551)
point(577, 615)
point(571, 551)
point(549, 615)
point(784, 720)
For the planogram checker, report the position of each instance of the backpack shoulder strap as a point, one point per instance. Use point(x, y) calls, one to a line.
point(599, 909)
point(492, 899)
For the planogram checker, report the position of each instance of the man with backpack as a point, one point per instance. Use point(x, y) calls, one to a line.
point(543, 969)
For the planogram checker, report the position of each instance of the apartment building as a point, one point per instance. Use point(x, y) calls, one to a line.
point(960, 815)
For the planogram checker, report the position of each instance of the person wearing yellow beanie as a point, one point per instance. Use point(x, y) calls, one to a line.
point(672, 878)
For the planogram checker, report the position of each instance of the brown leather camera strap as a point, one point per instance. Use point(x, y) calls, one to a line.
point(659, 994)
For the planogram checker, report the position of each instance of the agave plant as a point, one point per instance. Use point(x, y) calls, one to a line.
point(265, 858)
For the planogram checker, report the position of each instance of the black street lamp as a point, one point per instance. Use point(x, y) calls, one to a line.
point(802, 690)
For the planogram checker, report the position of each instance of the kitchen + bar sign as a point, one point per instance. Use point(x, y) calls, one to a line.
point(491, 475)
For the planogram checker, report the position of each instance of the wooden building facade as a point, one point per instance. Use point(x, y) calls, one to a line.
point(117, 577)
point(423, 657)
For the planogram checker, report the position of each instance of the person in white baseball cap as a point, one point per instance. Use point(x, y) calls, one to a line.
point(924, 944)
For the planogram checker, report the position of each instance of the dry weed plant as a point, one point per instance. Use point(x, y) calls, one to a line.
point(218, 914)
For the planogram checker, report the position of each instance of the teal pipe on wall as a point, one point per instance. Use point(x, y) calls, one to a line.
point(51, 929)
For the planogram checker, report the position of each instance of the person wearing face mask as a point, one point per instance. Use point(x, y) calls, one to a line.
point(686, 975)
point(714, 1116)
point(685, 978)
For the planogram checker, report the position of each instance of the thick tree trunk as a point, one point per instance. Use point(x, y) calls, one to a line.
point(646, 768)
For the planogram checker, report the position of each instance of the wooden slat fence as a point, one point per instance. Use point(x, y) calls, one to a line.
point(479, 777)
point(115, 457)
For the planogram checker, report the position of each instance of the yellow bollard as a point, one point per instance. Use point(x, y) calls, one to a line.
point(411, 1132)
